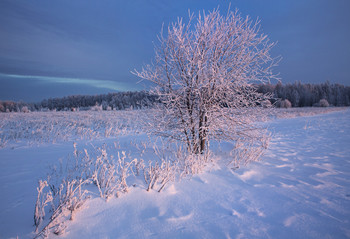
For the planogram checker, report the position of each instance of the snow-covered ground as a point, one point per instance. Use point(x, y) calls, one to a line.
point(300, 189)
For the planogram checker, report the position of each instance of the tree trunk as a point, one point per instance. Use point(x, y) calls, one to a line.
point(202, 131)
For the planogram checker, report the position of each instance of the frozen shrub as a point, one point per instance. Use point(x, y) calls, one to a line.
point(59, 229)
point(104, 175)
point(266, 104)
point(124, 171)
point(159, 174)
point(64, 200)
point(3, 142)
point(285, 104)
point(139, 166)
point(323, 103)
point(110, 175)
point(75, 196)
point(25, 109)
point(64, 192)
point(43, 199)
point(191, 164)
point(97, 107)
point(246, 151)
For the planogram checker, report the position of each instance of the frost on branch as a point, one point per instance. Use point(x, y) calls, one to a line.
point(246, 151)
point(43, 199)
point(205, 72)
point(159, 174)
point(64, 201)
point(110, 175)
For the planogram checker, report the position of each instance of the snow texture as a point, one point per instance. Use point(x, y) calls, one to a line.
point(300, 189)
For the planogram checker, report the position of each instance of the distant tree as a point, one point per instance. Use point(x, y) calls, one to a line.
point(97, 107)
point(25, 109)
point(2, 107)
point(205, 72)
point(104, 105)
point(285, 104)
point(323, 103)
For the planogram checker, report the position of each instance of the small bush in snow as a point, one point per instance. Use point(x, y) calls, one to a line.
point(245, 151)
point(43, 199)
point(285, 104)
point(159, 174)
point(104, 175)
point(323, 103)
point(65, 189)
point(266, 104)
point(25, 109)
point(110, 175)
point(64, 199)
point(96, 107)
point(190, 164)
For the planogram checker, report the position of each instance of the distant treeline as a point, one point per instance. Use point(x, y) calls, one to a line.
point(111, 101)
point(298, 94)
point(305, 95)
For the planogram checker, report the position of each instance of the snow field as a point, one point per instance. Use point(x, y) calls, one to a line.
point(50, 127)
point(37, 128)
point(300, 189)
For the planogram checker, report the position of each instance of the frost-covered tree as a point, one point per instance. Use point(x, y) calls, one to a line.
point(206, 73)
point(285, 104)
point(323, 103)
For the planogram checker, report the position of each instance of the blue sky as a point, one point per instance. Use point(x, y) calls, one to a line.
point(62, 47)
